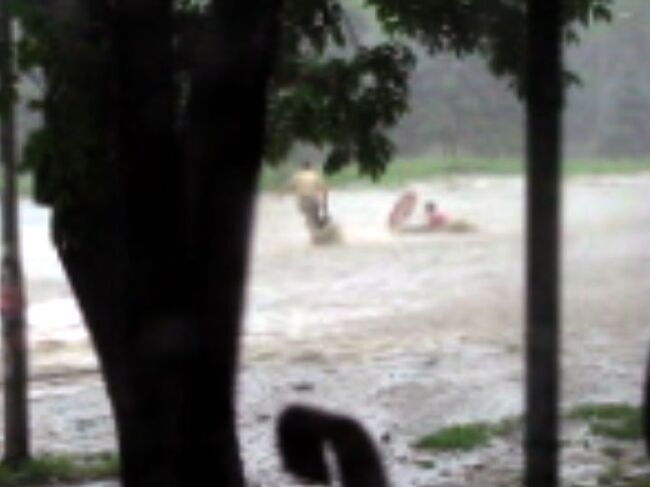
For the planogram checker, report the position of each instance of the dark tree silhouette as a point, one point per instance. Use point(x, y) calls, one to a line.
point(152, 147)
point(151, 216)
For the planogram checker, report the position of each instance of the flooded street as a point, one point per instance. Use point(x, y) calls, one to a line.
point(406, 333)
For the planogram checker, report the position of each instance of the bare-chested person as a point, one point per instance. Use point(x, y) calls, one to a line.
point(311, 192)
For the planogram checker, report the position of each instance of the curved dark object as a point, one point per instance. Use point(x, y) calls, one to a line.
point(304, 432)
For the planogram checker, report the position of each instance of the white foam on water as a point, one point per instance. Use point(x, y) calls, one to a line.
point(55, 319)
point(59, 312)
point(40, 259)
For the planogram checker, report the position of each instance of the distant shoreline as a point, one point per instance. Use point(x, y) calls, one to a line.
point(404, 171)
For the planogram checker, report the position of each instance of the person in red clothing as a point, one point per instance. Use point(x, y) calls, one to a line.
point(434, 217)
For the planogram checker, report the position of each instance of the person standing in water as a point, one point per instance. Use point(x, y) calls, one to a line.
point(312, 194)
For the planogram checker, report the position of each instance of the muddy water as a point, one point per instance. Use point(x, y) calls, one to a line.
point(384, 291)
point(422, 331)
point(302, 291)
point(408, 333)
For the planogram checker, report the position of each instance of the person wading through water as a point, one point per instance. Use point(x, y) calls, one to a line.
point(312, 196)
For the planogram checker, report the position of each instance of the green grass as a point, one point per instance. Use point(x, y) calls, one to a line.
point(604, 411)
point(600, 166)
point(621, 430)
point(616, 421)
point(612, 475)
point(60, 468)
point(425, 464)
point(609, 420)
point(468, 436)
point(508, 426)
point(403, 171)
point(639, 482)
point(616, 476)
point(457, 437)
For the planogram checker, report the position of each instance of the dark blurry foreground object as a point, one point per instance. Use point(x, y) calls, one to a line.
point(139, 168)
point(305, 434)
point(544, 106)
point(16, 441)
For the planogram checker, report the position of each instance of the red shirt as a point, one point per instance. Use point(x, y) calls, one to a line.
point(436, 219)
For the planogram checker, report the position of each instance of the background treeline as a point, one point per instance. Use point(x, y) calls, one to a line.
point(459, 107)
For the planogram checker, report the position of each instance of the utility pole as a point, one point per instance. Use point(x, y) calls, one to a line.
point(14, 350)
point(545, 101)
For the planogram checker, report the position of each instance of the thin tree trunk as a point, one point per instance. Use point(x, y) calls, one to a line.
point(16, 420)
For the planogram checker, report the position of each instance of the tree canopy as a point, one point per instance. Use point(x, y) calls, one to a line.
point(330, 89)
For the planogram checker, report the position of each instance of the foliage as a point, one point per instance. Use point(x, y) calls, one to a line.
point(618, 421)
point(65, 153)
point(8, 97)
point(329, 111)
point(60, 468)
point(331, 88)
point(606, 411)
point(332, 91)
point(612, 475)
point(345, 103)
point(459, 106)
point(469, 435)
point(495, 29)
point(638, 482)
point(457, 437)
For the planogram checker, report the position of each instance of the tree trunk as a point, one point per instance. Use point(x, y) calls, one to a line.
point(161, 282)
point(14, 349)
